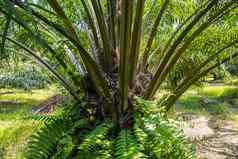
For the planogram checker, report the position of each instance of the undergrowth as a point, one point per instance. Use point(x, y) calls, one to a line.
point(72, 135)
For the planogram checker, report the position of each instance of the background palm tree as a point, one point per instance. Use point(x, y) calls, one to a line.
point(100, 51)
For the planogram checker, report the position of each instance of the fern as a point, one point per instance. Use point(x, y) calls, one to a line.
point(103, 154)
point(64, 147)
point(66, 137)
point(126, 146)
point(165, 140)
point(43, 144)
point(45, 118)
point(94, 138)
point(141, 136)
point(103, 151)
point(158, 135)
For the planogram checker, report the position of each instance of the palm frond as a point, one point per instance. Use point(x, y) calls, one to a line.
point(94, 71)
point(169, 61)
point(41, 8)
point(68, 25)
point(5, 32)
point(48, 66)
point(153, 32)
point(92, 26)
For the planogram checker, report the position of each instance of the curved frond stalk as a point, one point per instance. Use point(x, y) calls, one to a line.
point(167, 55)
point(126, 146)
point(92, 26)
point(5, 32)
point(59, 11)
point(96, 75)
point(206, 62)
point(107, 59)
point(177, 30)
point(136, 40)
point(41, 8)
point(196, 33)
point(185, 85)
point(194, 20)
point(43, 43)
point(94, 138)
point(34, 35)
point(125, 41)
point(172, 60)
point(47, 66)
point(94, 71)
point(74, 61)
point(153, 33)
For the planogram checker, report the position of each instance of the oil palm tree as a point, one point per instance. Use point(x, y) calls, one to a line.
point(99, 51)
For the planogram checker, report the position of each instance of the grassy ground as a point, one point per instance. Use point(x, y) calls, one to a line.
point(15, 106)
point(219, 101)
point(210, 120)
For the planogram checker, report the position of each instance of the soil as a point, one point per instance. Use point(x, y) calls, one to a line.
point(213, 139)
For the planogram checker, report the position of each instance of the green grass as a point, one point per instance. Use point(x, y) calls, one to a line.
point(190, 104)
point(209, 100)
point(15, 106)
point(13, 137)
point(216, 91)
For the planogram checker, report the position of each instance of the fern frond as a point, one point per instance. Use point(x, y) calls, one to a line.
point(165, 140)
point(126, 146)
point(104, 154)
point(95, 137)
point(140, 135)
point(46, 118)
point(43, 144)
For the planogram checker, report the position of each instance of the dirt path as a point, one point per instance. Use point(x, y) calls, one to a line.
point(212, 140)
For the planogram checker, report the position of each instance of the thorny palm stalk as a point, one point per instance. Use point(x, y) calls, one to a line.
point(111, 83)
